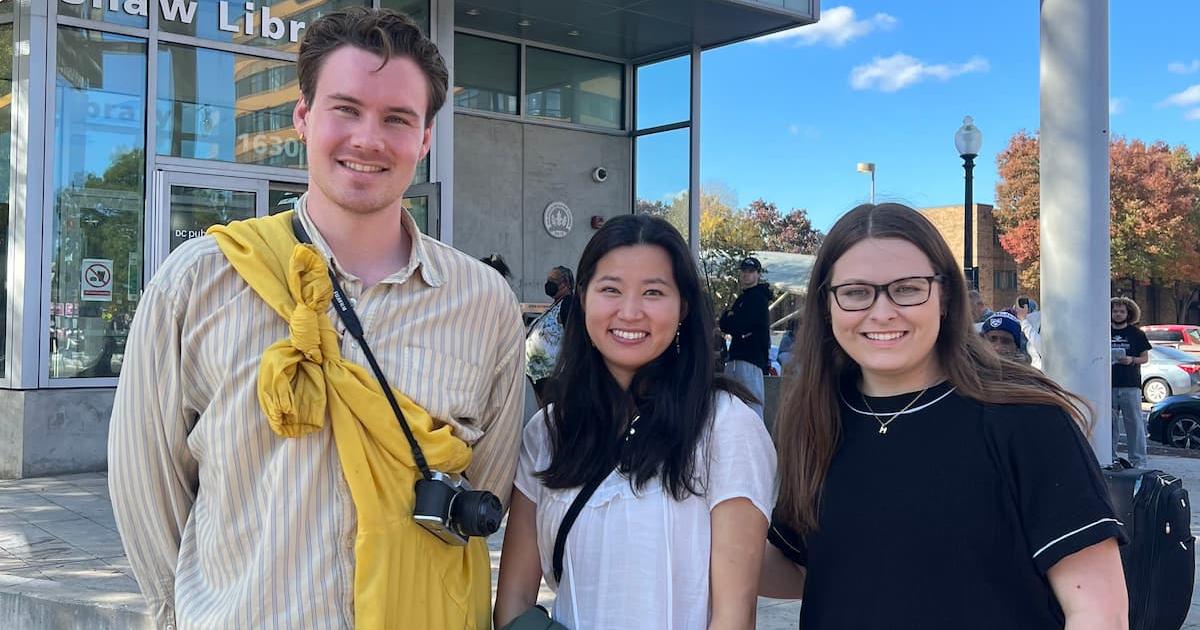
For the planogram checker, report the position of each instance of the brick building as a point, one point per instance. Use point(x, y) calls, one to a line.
point(997, 269)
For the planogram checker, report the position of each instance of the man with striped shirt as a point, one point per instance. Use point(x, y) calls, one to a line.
point(228, 524)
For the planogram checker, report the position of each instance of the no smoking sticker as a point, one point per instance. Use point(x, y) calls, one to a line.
point(96, 284)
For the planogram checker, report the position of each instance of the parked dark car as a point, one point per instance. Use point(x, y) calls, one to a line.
point(1176, 421)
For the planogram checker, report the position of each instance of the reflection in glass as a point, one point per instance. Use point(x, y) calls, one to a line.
point(485, 74)
point(418, 10)
point(271, 24)
point(282, 197)
point(215, 105)
point(662, 161)
point(107, 14)
point(99, 200)
point(664, 92)
point(418, 207)
point(194, 210)
point(6, 78)
point(572, 89)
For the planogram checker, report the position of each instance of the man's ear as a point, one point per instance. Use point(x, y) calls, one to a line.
point(300, 117)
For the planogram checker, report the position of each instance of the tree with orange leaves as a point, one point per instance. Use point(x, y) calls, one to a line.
point(1155, 212)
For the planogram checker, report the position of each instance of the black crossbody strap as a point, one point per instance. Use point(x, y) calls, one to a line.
point(353, 326)
point(564, 528)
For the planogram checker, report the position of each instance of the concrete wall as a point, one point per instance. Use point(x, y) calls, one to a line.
point(53, 431)
point(506, 173)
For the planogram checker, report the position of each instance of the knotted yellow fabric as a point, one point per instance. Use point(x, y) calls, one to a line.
point(404, 577)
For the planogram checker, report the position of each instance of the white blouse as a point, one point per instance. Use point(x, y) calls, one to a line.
point(641, 560)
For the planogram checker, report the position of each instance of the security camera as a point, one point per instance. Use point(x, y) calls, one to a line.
point(599, 174)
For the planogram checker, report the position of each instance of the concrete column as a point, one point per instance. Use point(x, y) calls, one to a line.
point(1075, 205)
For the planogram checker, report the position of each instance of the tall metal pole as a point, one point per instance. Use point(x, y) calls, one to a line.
point(872, 186)
point(968, 232)
point(1075, 200)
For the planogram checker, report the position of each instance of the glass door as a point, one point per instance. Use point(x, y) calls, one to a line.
point(190, 203)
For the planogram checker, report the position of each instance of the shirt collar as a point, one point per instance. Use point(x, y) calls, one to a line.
point(419, 258)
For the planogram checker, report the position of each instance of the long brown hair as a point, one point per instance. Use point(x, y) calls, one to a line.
point(808, 427)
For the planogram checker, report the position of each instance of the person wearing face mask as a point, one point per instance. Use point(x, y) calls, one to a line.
point(546, 332)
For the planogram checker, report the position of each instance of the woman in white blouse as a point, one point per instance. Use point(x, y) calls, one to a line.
point(672, 536)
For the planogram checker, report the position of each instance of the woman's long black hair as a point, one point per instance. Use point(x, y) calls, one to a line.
point(673, 394)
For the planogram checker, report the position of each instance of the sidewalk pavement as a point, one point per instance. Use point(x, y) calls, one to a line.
point(62, 565)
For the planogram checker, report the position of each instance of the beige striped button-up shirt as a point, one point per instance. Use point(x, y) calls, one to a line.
point(228, 525)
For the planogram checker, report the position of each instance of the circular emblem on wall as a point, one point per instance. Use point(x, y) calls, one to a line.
point(558, 219)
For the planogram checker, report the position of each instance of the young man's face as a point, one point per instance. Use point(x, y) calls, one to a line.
point(365, 129)
point(1120, 314)
point(748, 278)
point(1001, 342)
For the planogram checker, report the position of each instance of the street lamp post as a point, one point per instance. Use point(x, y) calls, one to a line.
point(868, 167)
point(967, 140)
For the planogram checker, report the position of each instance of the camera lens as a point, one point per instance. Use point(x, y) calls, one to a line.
point(476, 512)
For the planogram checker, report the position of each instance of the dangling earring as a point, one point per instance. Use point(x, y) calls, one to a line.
point(677, 329)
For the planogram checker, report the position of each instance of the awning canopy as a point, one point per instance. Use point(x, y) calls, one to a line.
point(787, 272)
point(632, 30)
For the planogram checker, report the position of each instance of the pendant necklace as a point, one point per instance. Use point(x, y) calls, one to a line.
point(632, 428)
point(883, 424)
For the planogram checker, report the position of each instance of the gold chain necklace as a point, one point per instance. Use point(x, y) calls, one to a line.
point(883, 425)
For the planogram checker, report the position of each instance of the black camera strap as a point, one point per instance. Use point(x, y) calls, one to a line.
point(353, 326)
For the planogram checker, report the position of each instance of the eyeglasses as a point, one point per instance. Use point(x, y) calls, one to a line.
point(860, 296)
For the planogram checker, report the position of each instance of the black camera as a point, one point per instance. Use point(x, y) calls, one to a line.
point(446, 505)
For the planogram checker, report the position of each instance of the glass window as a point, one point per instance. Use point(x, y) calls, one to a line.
point(418, 10)
point(118, 15)
point(485, 74)
point(418, 207)
point(282, 197)
point(215, 105)
point(573, 89)
point(664, 92)
point(99, 200)
point(662, 161)
point(6, 78)
point(271, 23)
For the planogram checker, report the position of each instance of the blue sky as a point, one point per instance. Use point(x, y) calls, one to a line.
point(787, 117)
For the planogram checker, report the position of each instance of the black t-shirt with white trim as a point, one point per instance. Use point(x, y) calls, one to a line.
point(951, 518)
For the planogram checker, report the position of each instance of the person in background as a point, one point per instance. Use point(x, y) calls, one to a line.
point(921, 472)
point(787, 342)
point(545, 333)
point(979, 310)
point(682, 469)
point(748, 322)
point(1130, 351)
point(1026, 310)
point(1002, 331)
point(496, 261)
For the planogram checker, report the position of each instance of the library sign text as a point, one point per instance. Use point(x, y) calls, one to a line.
point(254, 20)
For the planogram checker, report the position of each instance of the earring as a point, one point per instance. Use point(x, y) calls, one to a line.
point(301, 137)
point(678, 350)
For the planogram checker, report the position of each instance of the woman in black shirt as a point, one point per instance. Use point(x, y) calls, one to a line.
point(925, 481)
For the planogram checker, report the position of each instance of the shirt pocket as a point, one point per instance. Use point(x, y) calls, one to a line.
point(446, 386)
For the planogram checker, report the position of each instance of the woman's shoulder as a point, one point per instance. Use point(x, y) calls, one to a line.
point(536, 434)
point(732, 417)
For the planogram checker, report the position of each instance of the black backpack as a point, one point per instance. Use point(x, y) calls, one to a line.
point(1160, 559)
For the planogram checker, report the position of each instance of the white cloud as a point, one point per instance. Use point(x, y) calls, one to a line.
point(1116, 106)
point(1186, 98)
point(889, 74)
point(838, 25)
point(808, 132)
point(1183, 67)
point(1192, 115)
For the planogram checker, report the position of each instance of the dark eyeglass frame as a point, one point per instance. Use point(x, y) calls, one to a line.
point(886, 290)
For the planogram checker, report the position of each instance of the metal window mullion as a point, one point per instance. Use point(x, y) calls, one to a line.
point(24, 342)
point(694, 157)
point(540, 45)
point(522, 76)
point(441, 165)
point(49, 165)
point(210, 44)
point(140, 32)
point(151, 212)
